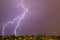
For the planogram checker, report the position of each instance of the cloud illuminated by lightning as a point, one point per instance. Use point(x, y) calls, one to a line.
point(20, 17)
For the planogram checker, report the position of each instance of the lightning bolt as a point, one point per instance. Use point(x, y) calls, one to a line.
point(20, 17)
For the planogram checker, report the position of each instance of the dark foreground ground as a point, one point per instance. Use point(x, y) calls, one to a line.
point(39, 37)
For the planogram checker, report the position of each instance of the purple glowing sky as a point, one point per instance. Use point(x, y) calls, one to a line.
point(43, 18)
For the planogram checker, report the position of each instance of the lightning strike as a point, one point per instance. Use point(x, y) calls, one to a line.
point(20, 17)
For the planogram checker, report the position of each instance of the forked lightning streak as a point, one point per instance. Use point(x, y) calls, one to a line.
point(20, 17)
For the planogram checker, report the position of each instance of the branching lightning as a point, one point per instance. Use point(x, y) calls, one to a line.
point(20, 17)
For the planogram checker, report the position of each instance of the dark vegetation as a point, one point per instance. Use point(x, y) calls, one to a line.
point(39, 37)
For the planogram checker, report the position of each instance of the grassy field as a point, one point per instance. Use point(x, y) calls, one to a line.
point(39, 37)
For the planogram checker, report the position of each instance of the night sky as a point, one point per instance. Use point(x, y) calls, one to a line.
point(43, 18)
